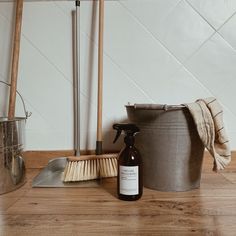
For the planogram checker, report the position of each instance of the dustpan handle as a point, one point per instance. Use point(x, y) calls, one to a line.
point(100, 78)
point(15, 59)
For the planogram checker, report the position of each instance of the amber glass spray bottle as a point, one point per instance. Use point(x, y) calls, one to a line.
point(130, 179)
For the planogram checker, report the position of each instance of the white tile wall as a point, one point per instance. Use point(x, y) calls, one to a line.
point(5, 27)
point(181, 41)
point(54, 41)
point(228, 31)
point(216, 12)
point(165, 51)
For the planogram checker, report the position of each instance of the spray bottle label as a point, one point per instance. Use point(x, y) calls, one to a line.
point(129, 180)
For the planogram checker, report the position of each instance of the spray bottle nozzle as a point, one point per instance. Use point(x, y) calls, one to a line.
point(129, 129)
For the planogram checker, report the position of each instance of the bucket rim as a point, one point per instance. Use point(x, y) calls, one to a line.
point(7, 120)
point(146, 106)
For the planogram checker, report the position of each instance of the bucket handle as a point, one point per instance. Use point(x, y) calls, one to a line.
point(27, 114)
point(164, 107)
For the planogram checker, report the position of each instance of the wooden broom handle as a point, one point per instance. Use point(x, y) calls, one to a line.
point(100, 70)
point(15, 59)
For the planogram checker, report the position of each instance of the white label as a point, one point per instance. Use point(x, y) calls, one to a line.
point(129, 180)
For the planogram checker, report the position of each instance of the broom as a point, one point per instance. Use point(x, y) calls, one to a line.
point(89, 167)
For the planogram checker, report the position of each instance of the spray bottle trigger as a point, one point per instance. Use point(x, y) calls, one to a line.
point(117, 135)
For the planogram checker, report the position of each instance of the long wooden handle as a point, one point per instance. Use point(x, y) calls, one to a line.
point(15, 59)
point(100, 76)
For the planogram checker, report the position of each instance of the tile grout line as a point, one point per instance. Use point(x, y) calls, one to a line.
point(182, 64)
point(40, 52)
point(130, 79)
point(4, 17)
point(202, 85)
point(55, 67)
point(200, 46)
point(159, 41)
point(226, 21)
point(3, 77)
point(136, 85)
point(226, 41)
point(156, 39)
point(196, 79)
point(47, 59)
point(149, 32)
point(206, 40)
point(38, 112)
point(234, 49)
point(120, 69)
point(187, 1)
point(215, 33)
point(216, 30)
point(62, 9)
point(82, 93)
point(33, 107)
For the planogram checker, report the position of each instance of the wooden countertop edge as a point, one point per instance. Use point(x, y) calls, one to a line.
point(39, 159)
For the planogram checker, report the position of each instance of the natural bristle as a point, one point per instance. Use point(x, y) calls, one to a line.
point(82, 169)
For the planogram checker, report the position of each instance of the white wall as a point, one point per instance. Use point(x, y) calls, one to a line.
point(161, 51)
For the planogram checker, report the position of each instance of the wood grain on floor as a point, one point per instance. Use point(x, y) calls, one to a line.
point(209, 210)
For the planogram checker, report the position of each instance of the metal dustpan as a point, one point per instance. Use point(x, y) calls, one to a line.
point(51, 176)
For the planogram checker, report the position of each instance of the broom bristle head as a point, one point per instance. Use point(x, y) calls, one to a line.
point(92, 167)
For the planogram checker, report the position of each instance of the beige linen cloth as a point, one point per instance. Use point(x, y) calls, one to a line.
point(208, 116)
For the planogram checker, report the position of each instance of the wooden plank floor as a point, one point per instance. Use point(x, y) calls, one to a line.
point(210, 210)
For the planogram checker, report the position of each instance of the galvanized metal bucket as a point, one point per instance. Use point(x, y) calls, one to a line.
point(12, 168)
point(12, 136)
point(170, 146)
